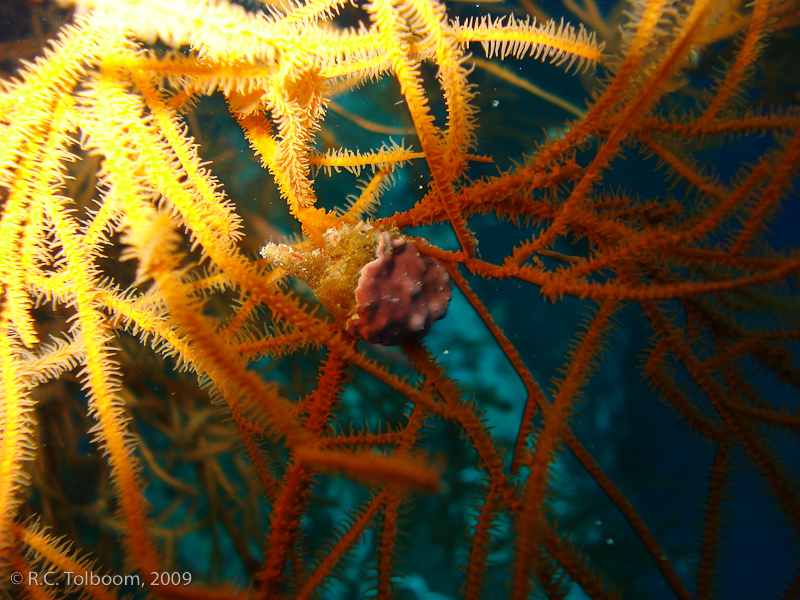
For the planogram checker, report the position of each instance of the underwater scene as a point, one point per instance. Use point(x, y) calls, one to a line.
point(400, 299)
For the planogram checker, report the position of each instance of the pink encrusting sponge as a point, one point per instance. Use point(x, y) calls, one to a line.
point(376, 283)
point(399, 295)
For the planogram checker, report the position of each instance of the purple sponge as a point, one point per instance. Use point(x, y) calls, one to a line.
point(399, 295)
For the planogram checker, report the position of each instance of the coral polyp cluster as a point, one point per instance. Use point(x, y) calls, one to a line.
point(379, 285)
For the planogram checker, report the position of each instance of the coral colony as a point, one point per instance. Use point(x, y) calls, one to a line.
point(611, 408)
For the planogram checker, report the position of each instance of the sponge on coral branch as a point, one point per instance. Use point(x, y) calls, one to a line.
point(380, 287)
point(399, 295)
